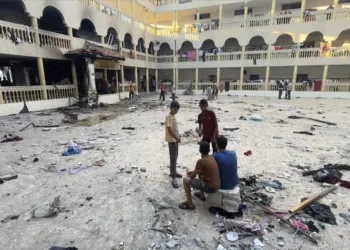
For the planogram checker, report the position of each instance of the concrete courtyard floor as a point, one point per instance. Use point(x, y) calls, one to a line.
point(103, 207)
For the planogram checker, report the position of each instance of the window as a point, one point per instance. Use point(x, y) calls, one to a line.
point(291, 6)
point(241, 12)
point(202, 16)
point(344, 1)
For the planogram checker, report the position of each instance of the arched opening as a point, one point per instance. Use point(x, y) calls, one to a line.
point(186, 46)
point(128, 42)
point(208, 46)
point(165, 50)
point(87, 31)
point(231, 45)
point(313, 40)
point(14, 11)
point(256, 43)
point(343, 39)
point(285, 41)
point(112, 37)
point(141, 45)
point(151, 48)
point(52, 20)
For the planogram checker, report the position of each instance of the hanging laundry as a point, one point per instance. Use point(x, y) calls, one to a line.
point(278, 47)
point(192, 55)
point(200, 52)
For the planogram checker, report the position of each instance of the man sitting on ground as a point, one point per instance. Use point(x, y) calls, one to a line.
point(208, 174)
point(227, 162)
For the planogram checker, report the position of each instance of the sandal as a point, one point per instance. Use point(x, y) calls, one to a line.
point(185, 206)
point(198, 195)
point(174, 183)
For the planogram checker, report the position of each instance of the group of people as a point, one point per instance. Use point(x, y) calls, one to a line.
point(163, 91)
point(214, 172)
point(286, 86)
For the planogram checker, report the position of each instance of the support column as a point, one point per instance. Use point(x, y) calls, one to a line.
point(197, 18)
point(70, 31)
point(122, 75)
point(324, 78)
point(267, 77)
point(147, 80)
point(102, 39)
point(120, 45)
point(174, 76)
point(335, 6)
point(294, 80)
point(41, 72)
point(1, 99)
point(134, 48)
point(273, 10)
point(245, 14)
point(177, 78)
point(117, 82)
point(175, 20)
point(269, 52)
point(220, 17)
point(196, 78)
point(34, 22)
point(105, 74)
point(75, 79)
point(133, 11)
point(243, 53)
point(136, 80)
point(156, 78)
point(241, 79)
point(218, 75)
point(197, 59)
point(155, 22)
point(303, 5)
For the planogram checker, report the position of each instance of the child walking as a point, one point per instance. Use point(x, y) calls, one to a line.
point(173, 139)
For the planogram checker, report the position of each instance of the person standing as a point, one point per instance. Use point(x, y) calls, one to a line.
point(289, 90)
point(131, 91)
point(173, 92)
point(172, 137)
point(280, 89)
point(285, 89)
point(208, 125)
point(162, 91)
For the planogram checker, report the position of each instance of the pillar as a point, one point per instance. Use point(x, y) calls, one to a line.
point(122, 75)
point(220, 17)
point(335, 5)
point(196, 78)
point(303, 5)
point(241, 79)
point(155, 22)
point(105, 73)
point(175, 20)
point(269, 52)
point(243, 53)
point(134, 48)
point(175, 56)
point(324, 78)
point(147, 80)
point(197, 59)
point(102, 39)
point(133, 11)
point(118, 4)
point(218, 75)
point(41, 72)
point(1, 99)
point(177, 78)
point(136, 80)
point(34, 22)
point(75, 79)
point(294, 80)
point(218, 55)
point(117, 81)
point(245, 13)
point(267, 77)
point(120, 45)
point(197, 18)
point(69, 31)
point(156, 78)
point(174, 76)
point(273, 10)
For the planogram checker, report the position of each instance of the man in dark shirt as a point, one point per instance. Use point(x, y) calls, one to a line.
point(208, 125)
point(208, 174)
point(227, 162)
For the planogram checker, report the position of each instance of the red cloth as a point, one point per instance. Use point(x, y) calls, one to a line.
point(208, 121)
point(163, 87)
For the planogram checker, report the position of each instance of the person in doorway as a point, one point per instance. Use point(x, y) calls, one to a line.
point(289, 90)
point(227, 162)
point(280, 89)
point(208, 178)
point(285, 89)
point(162, 91)
point(208, 125)
point(172, 137)
point(131, 91)
point(173, 92)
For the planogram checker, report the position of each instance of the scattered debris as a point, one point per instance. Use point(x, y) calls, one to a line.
point(321, 212)
point(280, 241)
point(35, 159)
point(172, 244)
point(345, 216)
point(100, 163)
point(63, 248)
point(248, 153)
point(54, 209)
point(243, 118)
point(79, 168)
point(256, 118)
point(312, 119)
point(7, 178)
point(11, 138)
point(8, 218)
point(128, 128)
point(230, 129)
point(143, 170)
point(281, 122)
point(232, 236)
point(275, 184)
point(304, 133)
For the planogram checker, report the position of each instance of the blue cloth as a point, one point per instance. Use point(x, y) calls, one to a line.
point(227, 162)
point(72, 150)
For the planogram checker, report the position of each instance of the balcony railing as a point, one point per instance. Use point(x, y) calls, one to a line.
point(152, 58)
point(230, 56)
point(165, 59)
point(60, 91)
point(141, 56)
point(22, 34)
point(162, 2)
point(21, 94)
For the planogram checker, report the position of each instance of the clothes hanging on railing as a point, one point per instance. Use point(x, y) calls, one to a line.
point(200, 27)
point(200, 52)
point(192, 55)
point(278, 47)
point(203, 56)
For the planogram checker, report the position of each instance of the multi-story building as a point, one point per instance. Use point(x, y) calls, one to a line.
point(246, 44)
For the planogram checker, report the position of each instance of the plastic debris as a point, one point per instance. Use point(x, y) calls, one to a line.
point(232, 236)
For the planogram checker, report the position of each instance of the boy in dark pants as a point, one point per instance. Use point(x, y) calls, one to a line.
point(173, 139)
point(280, 89)
point(208, 125)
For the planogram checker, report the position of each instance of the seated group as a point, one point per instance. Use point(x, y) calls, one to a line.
point(215, 172)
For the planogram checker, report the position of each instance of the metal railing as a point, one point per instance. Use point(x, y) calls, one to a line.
point(141, 56)
point(230, 56)
point(60, 91)
point(165, 59)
